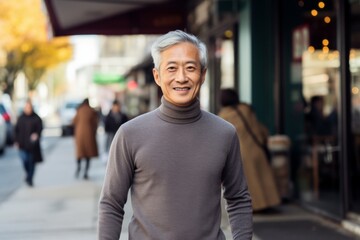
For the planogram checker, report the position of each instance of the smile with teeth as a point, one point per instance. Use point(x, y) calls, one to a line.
point(181, 88)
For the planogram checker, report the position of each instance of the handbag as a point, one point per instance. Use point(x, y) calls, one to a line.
point(264, 147)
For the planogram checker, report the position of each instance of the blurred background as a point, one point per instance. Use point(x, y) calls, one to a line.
point(281, 56)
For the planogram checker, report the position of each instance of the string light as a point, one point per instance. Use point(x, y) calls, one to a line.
point(314, 12)
point(311, 49)
point(355, 90)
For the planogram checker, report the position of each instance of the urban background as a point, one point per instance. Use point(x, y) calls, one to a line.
point(290, 59)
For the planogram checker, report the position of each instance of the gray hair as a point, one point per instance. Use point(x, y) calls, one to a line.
point(175, 37)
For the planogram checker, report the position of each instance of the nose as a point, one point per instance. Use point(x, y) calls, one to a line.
point(181, 75)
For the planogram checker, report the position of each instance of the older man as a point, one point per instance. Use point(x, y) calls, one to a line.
point(175, 159)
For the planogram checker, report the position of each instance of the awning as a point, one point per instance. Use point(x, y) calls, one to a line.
point(108, 78)
point(115, 17)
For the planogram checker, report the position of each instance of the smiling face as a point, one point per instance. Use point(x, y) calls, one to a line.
point(179, 75)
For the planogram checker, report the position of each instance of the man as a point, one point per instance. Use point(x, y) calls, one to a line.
point(28, 130)
point(112, 122)
point(175, 159)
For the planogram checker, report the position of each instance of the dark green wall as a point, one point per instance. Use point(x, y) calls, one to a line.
point(262, 66)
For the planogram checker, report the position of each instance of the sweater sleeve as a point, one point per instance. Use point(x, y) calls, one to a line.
point(236, 194)
point(118, 179)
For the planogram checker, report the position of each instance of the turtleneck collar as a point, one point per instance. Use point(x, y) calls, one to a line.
point(180, 115)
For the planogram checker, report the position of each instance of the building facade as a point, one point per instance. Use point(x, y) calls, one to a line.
point(297, 62)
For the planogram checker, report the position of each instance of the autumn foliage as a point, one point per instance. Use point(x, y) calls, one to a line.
point(26, 45)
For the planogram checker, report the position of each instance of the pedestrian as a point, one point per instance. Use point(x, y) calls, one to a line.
point(112, 122)
point(253, 135)
point(85, 127)
point(28, 130)
point(176, 159)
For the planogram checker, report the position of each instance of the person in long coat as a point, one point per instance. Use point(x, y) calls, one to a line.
point(261, 181)
point(28, 130)
point(85, 126)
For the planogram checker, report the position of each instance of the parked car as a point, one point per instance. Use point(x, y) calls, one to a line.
point(67, 114)
point(2, 135)
point(6, 116)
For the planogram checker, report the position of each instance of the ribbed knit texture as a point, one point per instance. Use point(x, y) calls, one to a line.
point(174, 159)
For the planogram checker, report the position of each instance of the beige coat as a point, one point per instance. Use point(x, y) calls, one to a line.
point(85, 124)
point(257, 170)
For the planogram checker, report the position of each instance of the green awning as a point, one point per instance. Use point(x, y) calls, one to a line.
point(108, 78)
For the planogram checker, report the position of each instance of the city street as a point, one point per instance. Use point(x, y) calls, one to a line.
point(59, 206)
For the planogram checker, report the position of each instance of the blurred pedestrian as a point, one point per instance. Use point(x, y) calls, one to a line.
point(253, 136)
point(85, 127)
point(175, 159)
point(28, 130)
point(112, 122)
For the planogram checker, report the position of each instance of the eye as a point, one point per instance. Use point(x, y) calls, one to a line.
point(191, 68)
point(171, 68)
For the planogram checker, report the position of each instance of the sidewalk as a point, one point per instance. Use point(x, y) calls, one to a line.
point(62, 207)
point(59, 206)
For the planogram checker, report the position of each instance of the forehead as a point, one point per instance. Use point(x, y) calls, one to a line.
point(27, 104)
point(180, 52)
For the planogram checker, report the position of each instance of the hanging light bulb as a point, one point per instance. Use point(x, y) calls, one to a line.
point(314, 12)
point(327, 19)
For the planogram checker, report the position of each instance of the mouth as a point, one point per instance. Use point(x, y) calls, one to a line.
point(181, 88)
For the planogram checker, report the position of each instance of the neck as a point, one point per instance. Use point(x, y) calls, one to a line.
point(179, 114)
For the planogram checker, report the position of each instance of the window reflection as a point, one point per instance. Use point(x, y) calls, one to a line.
point(315, 73)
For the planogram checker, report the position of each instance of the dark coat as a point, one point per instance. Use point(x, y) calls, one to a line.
point(85, 124)
point(25, 126)
point(113, 121)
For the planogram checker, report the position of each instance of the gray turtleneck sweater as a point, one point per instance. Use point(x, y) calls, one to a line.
point(175, 160)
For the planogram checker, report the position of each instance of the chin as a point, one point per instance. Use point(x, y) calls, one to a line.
point(184, 103)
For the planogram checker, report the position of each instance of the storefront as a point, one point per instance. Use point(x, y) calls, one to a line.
point(298, 63)
point(320, 73)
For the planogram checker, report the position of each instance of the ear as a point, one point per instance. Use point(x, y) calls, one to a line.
point(203, 74)
point(156, 76)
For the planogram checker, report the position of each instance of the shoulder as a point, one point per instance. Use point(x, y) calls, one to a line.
point(217, 122)
point(224, 111)
point(141, 121)
point(34, 115)
point(247, 108)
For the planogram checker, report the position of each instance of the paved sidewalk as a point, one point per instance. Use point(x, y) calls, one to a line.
point(58, 206)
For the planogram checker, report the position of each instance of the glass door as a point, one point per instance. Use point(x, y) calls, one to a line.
point(314, 97)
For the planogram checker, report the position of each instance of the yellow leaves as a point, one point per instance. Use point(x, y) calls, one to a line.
point(22, 20)
point(25, 47)
point(50, 53)
point(24, 40)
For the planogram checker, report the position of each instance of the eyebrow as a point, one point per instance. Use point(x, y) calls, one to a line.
point(187, 62)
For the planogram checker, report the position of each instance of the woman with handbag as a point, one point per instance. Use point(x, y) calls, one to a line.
point(253, 139)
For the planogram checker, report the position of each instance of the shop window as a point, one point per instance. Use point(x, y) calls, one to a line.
point(314, 85)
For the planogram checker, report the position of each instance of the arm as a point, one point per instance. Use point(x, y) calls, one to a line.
point(118, 179)
point(37, 127)
point(236, 194)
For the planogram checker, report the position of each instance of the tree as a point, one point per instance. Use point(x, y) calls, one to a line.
point(24, 39)
point(44, 56)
